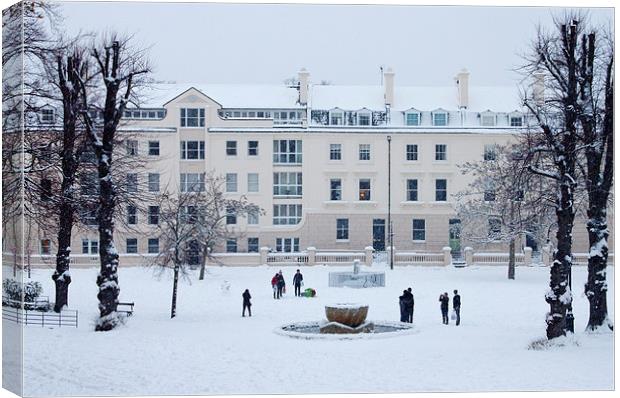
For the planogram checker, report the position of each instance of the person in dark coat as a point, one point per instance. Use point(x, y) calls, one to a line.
point(445, 301)
point(456, 305)
point(402, 301)
point(410, 303)
point(274, 285)
point(297, 279)
point(246, 302)
point(281, 284)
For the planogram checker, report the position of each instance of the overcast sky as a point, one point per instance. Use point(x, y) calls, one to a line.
point(233, 43)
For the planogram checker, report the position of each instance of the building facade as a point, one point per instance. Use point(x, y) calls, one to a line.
point(316, 159)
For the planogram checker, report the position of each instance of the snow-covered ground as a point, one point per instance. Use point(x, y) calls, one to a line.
point(210, 349)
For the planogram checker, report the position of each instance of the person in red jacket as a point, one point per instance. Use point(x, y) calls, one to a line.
point(274, 286)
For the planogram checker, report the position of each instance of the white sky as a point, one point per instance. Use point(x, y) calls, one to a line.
point(258, 43)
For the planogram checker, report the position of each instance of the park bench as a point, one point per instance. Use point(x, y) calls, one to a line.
point(126, 308)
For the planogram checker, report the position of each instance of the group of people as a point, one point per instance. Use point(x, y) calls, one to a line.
point(406, 303)
point(444, 299)
point(279, 285)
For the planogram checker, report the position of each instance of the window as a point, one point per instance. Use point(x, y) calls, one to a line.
point(231, 245)
point(287, 151)
point(336, 118)
point(188, 214)
point(364, 150)
point(412, 190)
point(231, 182)
point(287, 245)
point(132, 245)
point(364, 119)
point(89, 184)
point(144, 114)
point(47, 116)
point(231, 148)
point(192, 150)
point(153, 148)
point(132, 147)
point(89, 217)
point(342, 229)
point(335, 151)
point(495, 228)
point(192, 182)
point(153, 215)
point(252, 148)
point(419, 229)
point(46, 189)
point(253, 217)
point(132, 182)
point(412, 152)
point(286, 214)
point(252, 245)
point(441, 152)
point(364, 191)
point(441, 190)
point(516, 121)
point(192, 117)
point(488, 119)
point(153, 182)
point(440, 118)
point(46, 246)
point(290, 117)
point(490, 152)
point(132, 215)
point(231, 216)
point(412, 119)
point(252, 182)
point(153, 245)
point(335, 189)
point(90, 246)
point(287, 184)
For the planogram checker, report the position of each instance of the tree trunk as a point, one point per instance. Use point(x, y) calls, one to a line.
point(203, 265)
point(61, 276)
point(559, 295)
point(596, 286)
point(511, 259)
point(173, 308)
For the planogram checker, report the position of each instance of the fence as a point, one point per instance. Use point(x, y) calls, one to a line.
point(40, 318)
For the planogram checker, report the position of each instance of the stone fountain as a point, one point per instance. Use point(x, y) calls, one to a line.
point(346, 319)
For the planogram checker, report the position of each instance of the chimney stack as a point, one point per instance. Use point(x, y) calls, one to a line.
point(388, 84)
point(304, 77)
point(462, 83)
point(538, 88)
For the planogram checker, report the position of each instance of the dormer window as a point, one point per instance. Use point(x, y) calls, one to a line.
point(412, 118)
point(47, 116)
point(515, 120)
point(192, 117)
point(336, 118)
point(440, 118)
point(364, 118)
point(488, 119)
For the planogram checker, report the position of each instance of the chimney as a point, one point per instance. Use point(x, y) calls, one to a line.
point(538, 88)
point(462, 83)
point(388, 84)
point(304, 77)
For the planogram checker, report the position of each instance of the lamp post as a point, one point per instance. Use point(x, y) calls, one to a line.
point(390, 232)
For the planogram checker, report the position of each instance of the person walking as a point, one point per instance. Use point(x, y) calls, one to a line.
point(281, 284)
point(445, 301)
point(456, 305)
point(402, 302)
point(410, 304)
point(274, 286)
point(297, 279)
point(246, 303)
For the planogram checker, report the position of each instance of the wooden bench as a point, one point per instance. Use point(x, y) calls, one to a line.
point(126, 308)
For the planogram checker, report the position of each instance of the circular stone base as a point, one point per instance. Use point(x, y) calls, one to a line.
point(312, 331)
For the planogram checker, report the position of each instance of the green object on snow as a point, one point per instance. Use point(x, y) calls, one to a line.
point(309, 292)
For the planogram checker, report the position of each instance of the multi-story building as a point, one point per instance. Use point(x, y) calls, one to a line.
point(315, 158)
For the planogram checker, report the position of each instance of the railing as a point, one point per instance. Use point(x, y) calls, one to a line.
point(416, 258)
point(287, 258)
point(341, 258)
point(582, 259)
point(40, 318)
point(497, 258)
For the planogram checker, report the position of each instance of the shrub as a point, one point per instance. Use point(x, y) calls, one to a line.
point(13, 290)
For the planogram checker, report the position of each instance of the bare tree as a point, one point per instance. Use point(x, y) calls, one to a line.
point(119, 68)
point(504, 202)
point(192, 221)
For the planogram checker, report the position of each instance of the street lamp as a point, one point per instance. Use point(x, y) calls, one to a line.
point(390, 232)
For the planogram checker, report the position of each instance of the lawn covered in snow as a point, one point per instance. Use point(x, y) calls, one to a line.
point(210, 349)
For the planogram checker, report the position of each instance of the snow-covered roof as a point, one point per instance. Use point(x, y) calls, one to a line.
point(228, 95)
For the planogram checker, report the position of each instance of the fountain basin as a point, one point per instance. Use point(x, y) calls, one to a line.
point(311, 331)
point(349, 314)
